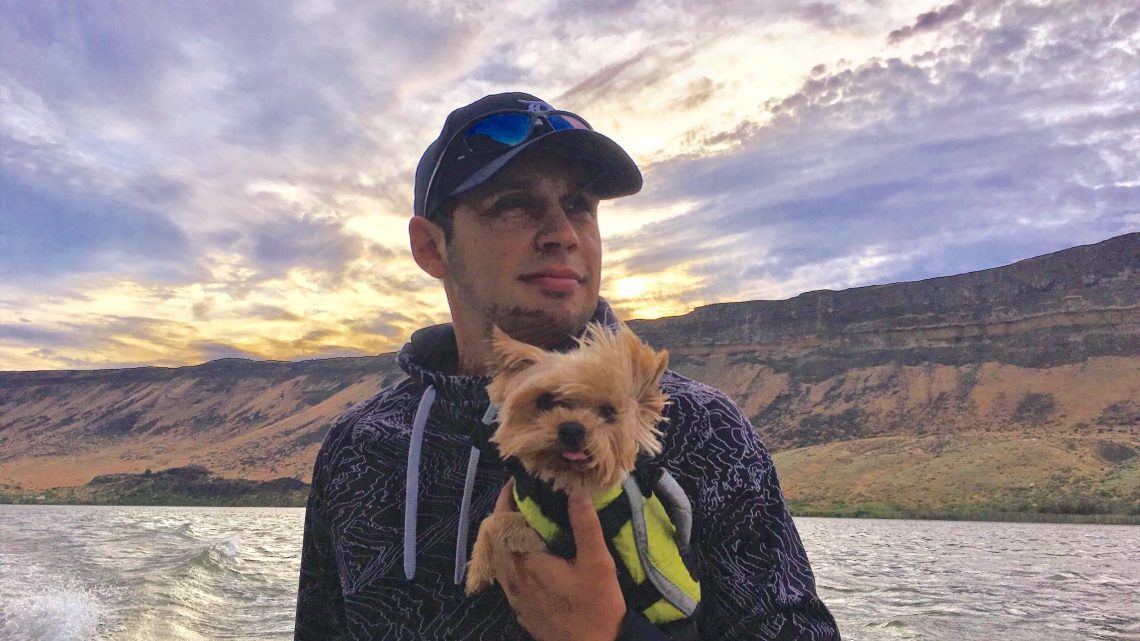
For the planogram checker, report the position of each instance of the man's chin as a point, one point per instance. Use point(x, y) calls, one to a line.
point(549, 326)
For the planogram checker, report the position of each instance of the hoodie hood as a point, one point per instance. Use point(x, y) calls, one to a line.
point(431, 359)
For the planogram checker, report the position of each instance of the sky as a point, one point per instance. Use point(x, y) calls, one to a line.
point(181, 182)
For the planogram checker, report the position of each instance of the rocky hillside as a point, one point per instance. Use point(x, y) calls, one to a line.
point(1016, 388)
point(239, 418)
point(1042, 341)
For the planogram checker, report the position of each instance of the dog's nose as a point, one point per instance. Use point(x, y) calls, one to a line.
point(571, 434)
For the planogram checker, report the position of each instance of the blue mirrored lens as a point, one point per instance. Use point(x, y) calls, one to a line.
point(499, 131)
point(559, 122)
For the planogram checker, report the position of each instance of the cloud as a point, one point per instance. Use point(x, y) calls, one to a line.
point(386, 324)
point(630, 76)
point(931, 20)
point(32, 335)
point(48, 231)
point(106, 341)
point(211, 351)
point(201, 309)
point(997, 148)
point(272, 313)
point(317, 244)
point(243, 178)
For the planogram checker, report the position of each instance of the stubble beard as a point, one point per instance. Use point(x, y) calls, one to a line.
point(535, 326)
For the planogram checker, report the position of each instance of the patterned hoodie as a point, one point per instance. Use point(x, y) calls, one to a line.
point(399, 489)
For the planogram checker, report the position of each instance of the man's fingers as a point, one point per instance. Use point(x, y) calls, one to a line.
point(506, 501)
point(588, 537)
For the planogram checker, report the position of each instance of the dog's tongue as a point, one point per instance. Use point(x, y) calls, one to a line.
point(575, 456)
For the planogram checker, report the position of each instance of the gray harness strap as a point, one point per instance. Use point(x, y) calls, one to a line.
point(679, 508)
point(670, 591)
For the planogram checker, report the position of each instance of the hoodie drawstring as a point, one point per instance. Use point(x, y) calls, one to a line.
point(465, 517)
point(412, 488)
point(469, 484)
point(411, 497)
point(489, 418)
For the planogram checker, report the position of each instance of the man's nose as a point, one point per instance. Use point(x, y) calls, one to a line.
point(556, 232)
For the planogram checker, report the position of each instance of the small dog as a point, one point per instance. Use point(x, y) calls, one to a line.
point(573, 422)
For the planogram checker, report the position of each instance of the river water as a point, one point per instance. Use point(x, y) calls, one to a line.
point(70, 573)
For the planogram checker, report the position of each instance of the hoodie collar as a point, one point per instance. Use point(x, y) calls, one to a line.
point(431, 358)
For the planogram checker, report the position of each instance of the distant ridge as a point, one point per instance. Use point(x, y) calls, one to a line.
point(1086, 278)
point(1012, 389)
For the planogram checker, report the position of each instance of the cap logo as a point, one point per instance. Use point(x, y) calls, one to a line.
point(536, 106)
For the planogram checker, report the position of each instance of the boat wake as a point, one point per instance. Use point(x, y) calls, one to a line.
point(54, 614)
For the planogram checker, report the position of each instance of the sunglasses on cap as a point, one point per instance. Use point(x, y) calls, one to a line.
point(501, 131)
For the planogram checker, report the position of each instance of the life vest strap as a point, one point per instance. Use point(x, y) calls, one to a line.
point(637, 597)
point(614, 516)
point(672, 592)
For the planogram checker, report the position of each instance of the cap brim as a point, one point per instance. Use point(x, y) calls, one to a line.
point(619, 177)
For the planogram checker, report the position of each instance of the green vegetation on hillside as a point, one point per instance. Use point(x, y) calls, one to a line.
point(190, 485)
point(966, 477)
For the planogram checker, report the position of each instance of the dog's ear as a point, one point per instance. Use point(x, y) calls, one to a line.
point(648, 367)
point(510, 356)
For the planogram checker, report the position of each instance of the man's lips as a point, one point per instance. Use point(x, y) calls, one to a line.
point(554, 280)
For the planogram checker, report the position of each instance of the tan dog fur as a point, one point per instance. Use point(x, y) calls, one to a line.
point(610, 386)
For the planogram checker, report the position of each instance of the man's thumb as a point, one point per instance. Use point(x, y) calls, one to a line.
point(588, 537)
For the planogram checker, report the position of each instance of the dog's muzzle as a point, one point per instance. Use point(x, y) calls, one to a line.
point(571, 435)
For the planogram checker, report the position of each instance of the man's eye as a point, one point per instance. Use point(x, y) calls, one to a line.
point(608, 413)
point(579, 205)
point(511, 203)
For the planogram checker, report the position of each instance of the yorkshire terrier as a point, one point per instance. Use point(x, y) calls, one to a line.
point(570, 423)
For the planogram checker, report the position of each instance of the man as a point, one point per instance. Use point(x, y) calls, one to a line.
point(506, 205)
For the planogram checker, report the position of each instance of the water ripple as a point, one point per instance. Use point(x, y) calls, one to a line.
point(200, 574)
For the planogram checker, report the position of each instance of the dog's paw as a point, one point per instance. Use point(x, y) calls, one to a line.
point(481, 567)
point(520, 538)
point(499, 534)
point(479, 576)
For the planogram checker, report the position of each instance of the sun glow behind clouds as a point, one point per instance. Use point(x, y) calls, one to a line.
point(669, 292)
point(301, 314)
point(173, 192)
point(713, 87)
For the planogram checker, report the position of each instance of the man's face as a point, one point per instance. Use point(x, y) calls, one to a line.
point(525, 252)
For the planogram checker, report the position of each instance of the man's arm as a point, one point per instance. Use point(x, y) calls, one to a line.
point(320, 604)
point(756, 582)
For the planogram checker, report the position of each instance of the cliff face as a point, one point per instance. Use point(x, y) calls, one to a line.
point(1051, 342)
point(255, 420)
point(1090, 286)
point(1043, 352)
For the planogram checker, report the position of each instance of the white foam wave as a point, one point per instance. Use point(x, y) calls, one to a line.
point(56, 615)
point(228, 548)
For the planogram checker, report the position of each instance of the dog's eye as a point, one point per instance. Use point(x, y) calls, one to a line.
point(608, 413)
point(545, 402)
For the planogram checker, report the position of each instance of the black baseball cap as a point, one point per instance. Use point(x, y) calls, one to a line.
point(448, 168)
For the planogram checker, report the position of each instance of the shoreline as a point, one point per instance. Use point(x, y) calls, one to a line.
point(989, 517)
point(850, 512)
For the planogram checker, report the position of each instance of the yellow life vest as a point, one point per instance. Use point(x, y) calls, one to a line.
point(645, 542)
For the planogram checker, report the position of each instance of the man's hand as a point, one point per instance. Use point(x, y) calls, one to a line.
point(559, 600)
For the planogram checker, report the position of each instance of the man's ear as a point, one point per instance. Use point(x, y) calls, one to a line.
point(429, 248)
